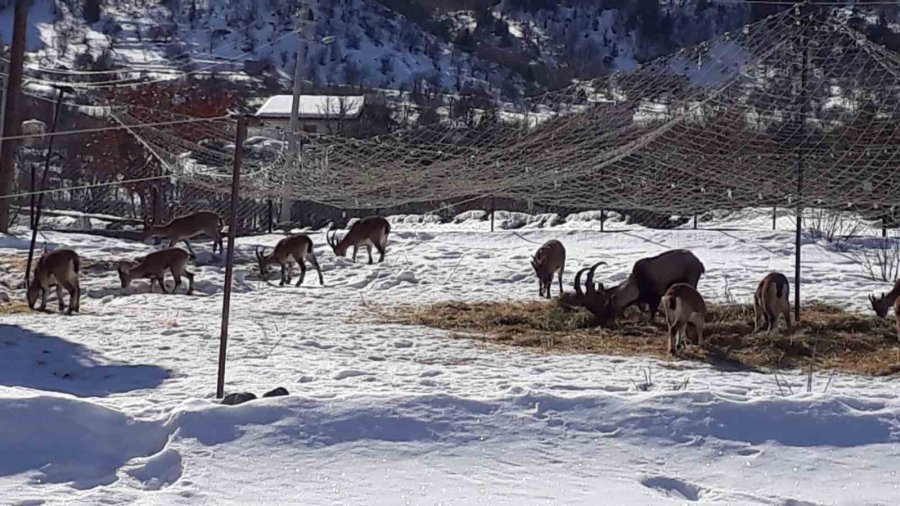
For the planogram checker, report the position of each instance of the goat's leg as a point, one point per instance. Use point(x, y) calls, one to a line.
point(315, 263)
point(559, 277)
point(381, 249)
point(302, 265)
point(190, 250)
point(369, 251)
point(59, 297)
point(355, 248)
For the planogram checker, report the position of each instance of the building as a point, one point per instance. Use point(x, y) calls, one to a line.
point(319, 114)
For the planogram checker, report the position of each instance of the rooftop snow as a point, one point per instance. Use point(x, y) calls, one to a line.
point(313, 106)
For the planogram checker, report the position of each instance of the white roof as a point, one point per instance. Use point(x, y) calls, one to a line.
point(313, 106)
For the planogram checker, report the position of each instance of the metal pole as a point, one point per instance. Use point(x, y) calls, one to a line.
point(602, 218)
point(493, 211)
point(271, 218)
point(229, 257)
point(800, 160)
point(11, 126)
point(40, 200)
point(695, 221)
point(287, 203)
point(774, 216)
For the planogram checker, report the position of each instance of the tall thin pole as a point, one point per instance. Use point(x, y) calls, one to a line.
point(229, 257)
point(40, 200)
point(493, 212)
point(774, 216)
point(287, 204)
point(800, 155)
point(11, 126)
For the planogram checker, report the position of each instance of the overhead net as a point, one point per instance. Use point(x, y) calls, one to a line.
point(794, 109)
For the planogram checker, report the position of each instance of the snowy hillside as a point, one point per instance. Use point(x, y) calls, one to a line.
point(511, 47)
point(115, 405)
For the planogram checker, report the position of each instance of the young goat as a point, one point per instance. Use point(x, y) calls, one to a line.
point(369, 231)
point(154, 266)
point(296, 247)
point(58, 268)
point(187, 227)
point(683, 306)
point(550, 259)
point(771, 301)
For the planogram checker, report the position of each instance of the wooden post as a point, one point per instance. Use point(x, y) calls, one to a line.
point(11, 125)
point(40, 200)
point(229, 257)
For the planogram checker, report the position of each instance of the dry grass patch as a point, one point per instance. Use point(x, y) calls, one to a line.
point(828, 338)
point(14, 307)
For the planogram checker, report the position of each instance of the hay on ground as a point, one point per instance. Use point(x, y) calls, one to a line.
point(827, 338)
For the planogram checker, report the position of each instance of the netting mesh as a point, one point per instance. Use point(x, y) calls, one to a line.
point(726, 124)
point(795, 109)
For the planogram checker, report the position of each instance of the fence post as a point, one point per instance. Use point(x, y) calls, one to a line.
point(229, 257)
point(493, 211)
point(40, 200)
point(602, 218)
point(774, 216)
point(695, 221)
point(271, 224)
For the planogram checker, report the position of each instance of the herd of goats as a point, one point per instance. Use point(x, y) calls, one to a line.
point(668, 280)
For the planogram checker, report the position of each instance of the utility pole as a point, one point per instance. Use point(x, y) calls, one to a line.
point(293, 149)
point(11, 125)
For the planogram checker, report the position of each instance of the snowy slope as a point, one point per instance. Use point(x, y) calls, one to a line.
point(115, 404)
point(508, 49)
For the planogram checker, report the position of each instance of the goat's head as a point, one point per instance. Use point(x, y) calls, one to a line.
point(263, 261)
point(880, 305)
point(592, 297)
point(337, 245)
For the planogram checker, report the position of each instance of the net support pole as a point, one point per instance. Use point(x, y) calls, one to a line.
point(35, 220)
point(493, 211)
point(229, 257)
point(695, 221)
point(269, 211)
point(774, 216)
point(800, 155)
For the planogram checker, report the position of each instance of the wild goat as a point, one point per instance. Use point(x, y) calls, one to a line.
point(648, 281)
point(684, 307)
point(187, 227)
point(154, 266)
point(60, 268)
point(368, 232)
point(771, 301)
point(883, 304)
point(297, 248)
point(549, 259)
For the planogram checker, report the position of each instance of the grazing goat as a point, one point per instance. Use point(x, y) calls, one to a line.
point(883, 304)
point(648, 281)
point(550, 259)
point(771, 301)
point(60, 268)
point(187, 227)
point(298, 248)
point(369, 231)
point(154, 266)
point(684, 307)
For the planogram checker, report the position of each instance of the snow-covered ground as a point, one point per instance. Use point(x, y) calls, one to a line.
point(115, 405)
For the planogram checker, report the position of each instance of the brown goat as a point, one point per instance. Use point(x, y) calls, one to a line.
point(186, 227)
point(298, 248)
point(60, 268)
point(883, 304)
point(154, 266)
point(645, 286)
point(369, 231)
point(550, 259)
point(771, 301)
point(683, 306)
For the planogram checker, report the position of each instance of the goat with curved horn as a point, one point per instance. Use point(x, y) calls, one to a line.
point(294, 248)
point(369, 231)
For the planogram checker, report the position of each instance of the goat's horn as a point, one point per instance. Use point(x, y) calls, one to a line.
point(589, 284)
point(578, 282)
